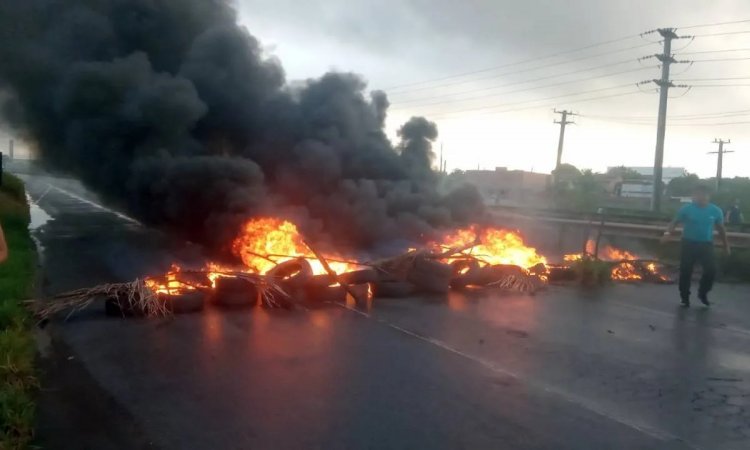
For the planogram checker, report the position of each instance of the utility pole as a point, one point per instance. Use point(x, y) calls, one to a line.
point(664, 84)
point(440, 169)
point(562, 122)
point(720, 161)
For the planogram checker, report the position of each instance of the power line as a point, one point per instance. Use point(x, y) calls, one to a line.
point(574, 50)
point(713, 79)
point(561, 83)
point(727, 33)
point(714, 124)
point(548, 105)
point(574, 94)
point(716, 24)
point(672, 117)
point(399, 87)
point(650, 124)
point(720, 59)
point(720, 85)
point(513, 83)
point(729, 50)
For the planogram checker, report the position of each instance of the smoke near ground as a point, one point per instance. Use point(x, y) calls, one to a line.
point(171, 110)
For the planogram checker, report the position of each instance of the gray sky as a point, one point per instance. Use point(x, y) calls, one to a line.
point(500, 117)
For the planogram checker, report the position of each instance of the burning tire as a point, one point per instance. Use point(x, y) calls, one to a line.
point(393, 289)
point(462, 270)
point(189, 302)
point(292, 273)
point(430, 276)
point(235, 293)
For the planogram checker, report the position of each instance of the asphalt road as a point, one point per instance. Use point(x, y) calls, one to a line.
point(619, 368)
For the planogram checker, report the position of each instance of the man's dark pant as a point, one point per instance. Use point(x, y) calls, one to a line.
point(703, 254)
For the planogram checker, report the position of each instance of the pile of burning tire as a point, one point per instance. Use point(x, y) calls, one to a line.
point(301, 285)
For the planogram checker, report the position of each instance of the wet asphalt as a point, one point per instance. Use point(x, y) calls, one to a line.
point(621, 367)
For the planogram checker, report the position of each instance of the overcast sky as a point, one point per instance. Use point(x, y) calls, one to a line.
point(502, 117)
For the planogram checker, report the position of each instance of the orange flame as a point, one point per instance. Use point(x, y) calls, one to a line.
point(606, 253)
point(626, 270)
point(265, 242)
point(169, 284)
point(495, 246)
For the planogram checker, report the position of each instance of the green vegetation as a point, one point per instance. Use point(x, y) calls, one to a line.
point(577, 191)
point(17, 349)
point(625, 172)
point(591, 272)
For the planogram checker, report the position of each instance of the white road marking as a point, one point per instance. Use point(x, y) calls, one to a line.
point(96, 205)
point(580, 401)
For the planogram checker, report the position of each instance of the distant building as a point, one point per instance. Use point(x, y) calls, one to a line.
point(644, 188)
point(507, 187)
point(636, 189)
point(667, 173)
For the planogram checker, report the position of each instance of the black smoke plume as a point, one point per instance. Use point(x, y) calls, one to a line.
point(171, 110)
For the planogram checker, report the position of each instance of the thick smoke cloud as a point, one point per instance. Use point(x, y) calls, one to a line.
point(172, 111)
point(417, 136)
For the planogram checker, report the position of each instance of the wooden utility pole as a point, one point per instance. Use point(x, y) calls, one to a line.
point(720, 159)
point(562, 122)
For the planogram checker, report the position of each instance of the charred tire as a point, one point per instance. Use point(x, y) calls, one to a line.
point(325, 294)
point(362, 276)
point(296, 272)
point(189, 302)
point(462, 272)
point(464, 266)
point(430, 276)
point(320, 281)
point(393, 289)
point(235, 293)
point(558, 274)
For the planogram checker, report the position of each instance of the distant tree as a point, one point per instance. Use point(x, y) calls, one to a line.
point(566, 173)
point(578, 191)
point(732, 190)
point(683, 186)
point(625, 172)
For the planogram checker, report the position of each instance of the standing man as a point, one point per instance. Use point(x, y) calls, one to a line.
point(698, 219)
point(734, 215)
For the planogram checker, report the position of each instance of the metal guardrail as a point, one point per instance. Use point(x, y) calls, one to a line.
point(616, 215)
point(639, 230)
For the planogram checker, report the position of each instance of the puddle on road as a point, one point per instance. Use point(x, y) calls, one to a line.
point(39, 218)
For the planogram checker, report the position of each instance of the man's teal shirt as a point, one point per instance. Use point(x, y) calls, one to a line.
point(698, 221)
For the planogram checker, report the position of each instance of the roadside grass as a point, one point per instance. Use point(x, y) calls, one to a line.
point(18, 381)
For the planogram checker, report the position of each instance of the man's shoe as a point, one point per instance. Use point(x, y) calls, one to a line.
point(704, 299)
point(685, 302)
